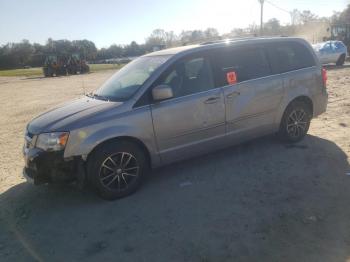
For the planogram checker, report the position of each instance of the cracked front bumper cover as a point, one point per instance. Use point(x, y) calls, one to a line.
point(48, 167)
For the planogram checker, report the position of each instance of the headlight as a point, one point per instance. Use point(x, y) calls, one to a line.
point(52, 141)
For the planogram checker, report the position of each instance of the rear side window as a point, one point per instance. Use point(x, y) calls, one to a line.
point(290, 56)
point(245, 63)
point(337, 45)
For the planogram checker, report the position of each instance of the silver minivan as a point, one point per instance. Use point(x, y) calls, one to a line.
point(175, 104)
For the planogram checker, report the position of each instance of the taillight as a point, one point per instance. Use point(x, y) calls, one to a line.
point(324, 77)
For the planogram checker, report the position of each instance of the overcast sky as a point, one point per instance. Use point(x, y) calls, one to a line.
point(106, 21)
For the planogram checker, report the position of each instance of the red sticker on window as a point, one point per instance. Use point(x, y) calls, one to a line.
point(231, 77)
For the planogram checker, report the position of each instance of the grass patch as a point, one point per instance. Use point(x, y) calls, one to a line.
point(38, 71)
point(35, 71)
point(103, 67)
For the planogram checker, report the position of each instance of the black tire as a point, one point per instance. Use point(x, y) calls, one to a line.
point(49, 72)
point(341, 60)
point(111, 155)
point(295, 122)
point(63, 71)
point(85, 69)
point(46, 72)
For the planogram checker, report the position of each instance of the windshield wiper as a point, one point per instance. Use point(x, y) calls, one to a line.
point(93, 95)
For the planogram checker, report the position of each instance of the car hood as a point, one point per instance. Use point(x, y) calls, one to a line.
point(64, 116)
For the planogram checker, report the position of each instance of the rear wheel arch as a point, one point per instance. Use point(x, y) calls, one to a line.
point(304, 99)
point(296, 118)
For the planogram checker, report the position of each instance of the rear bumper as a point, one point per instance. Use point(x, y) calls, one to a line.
point(48, 167)
point(320, 103)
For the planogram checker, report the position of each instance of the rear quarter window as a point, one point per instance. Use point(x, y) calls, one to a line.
point(289, 56)
point(338, 45)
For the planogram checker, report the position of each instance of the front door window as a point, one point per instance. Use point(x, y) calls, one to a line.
point(189, 77)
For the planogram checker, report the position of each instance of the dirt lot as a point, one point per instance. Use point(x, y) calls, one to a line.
point(261, 201)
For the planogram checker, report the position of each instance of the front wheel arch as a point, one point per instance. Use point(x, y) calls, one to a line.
point(132, 140)
point(109, 175)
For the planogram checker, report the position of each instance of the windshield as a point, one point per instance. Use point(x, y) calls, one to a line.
point(124, 84)
point(319, 46)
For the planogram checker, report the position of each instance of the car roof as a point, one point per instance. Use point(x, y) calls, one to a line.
point(221, 43)
point(172, 51)
point(329, 41)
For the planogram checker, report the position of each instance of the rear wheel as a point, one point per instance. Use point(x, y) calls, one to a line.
point(341, 60)
point(116, 169)
point(295, 122)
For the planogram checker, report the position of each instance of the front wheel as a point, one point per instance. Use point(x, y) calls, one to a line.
point(295, 122)
point(116, 169)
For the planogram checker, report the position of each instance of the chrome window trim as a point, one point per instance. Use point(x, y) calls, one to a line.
point(180, 97)
point(227, 86)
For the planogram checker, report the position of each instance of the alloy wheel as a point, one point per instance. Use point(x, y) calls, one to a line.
point(119, 171)
point(297, 123)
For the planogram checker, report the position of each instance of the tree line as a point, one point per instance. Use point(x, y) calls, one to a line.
point(24, 53)
point(18, 55)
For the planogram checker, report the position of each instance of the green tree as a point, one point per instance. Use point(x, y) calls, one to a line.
point(306, 16)
point(157, 37)
point(211, 33)
point(295, 17)
point(85, 48)
point(342, 17)
point(272, 27)
point(22, 52)
point(115, 51)
point(132, 50)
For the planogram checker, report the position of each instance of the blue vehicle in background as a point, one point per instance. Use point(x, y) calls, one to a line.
point(331, 52)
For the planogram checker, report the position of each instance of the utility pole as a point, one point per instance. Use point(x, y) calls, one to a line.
point(261, 16)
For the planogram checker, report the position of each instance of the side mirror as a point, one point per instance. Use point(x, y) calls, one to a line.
point(162, 92)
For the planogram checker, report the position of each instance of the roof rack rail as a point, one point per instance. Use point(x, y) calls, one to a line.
point(238, 38)
point(225, 40)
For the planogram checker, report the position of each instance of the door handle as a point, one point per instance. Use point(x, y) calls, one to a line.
point(212, 100)
point(233, 94)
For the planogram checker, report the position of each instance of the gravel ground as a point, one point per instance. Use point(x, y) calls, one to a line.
point(260, 201)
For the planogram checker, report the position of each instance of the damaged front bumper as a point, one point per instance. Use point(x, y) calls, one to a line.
point(50, 167)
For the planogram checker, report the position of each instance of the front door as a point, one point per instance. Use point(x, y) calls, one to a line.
point(193, 121)
point(326, 53)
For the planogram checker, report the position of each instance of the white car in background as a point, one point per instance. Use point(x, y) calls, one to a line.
point(331, 52)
